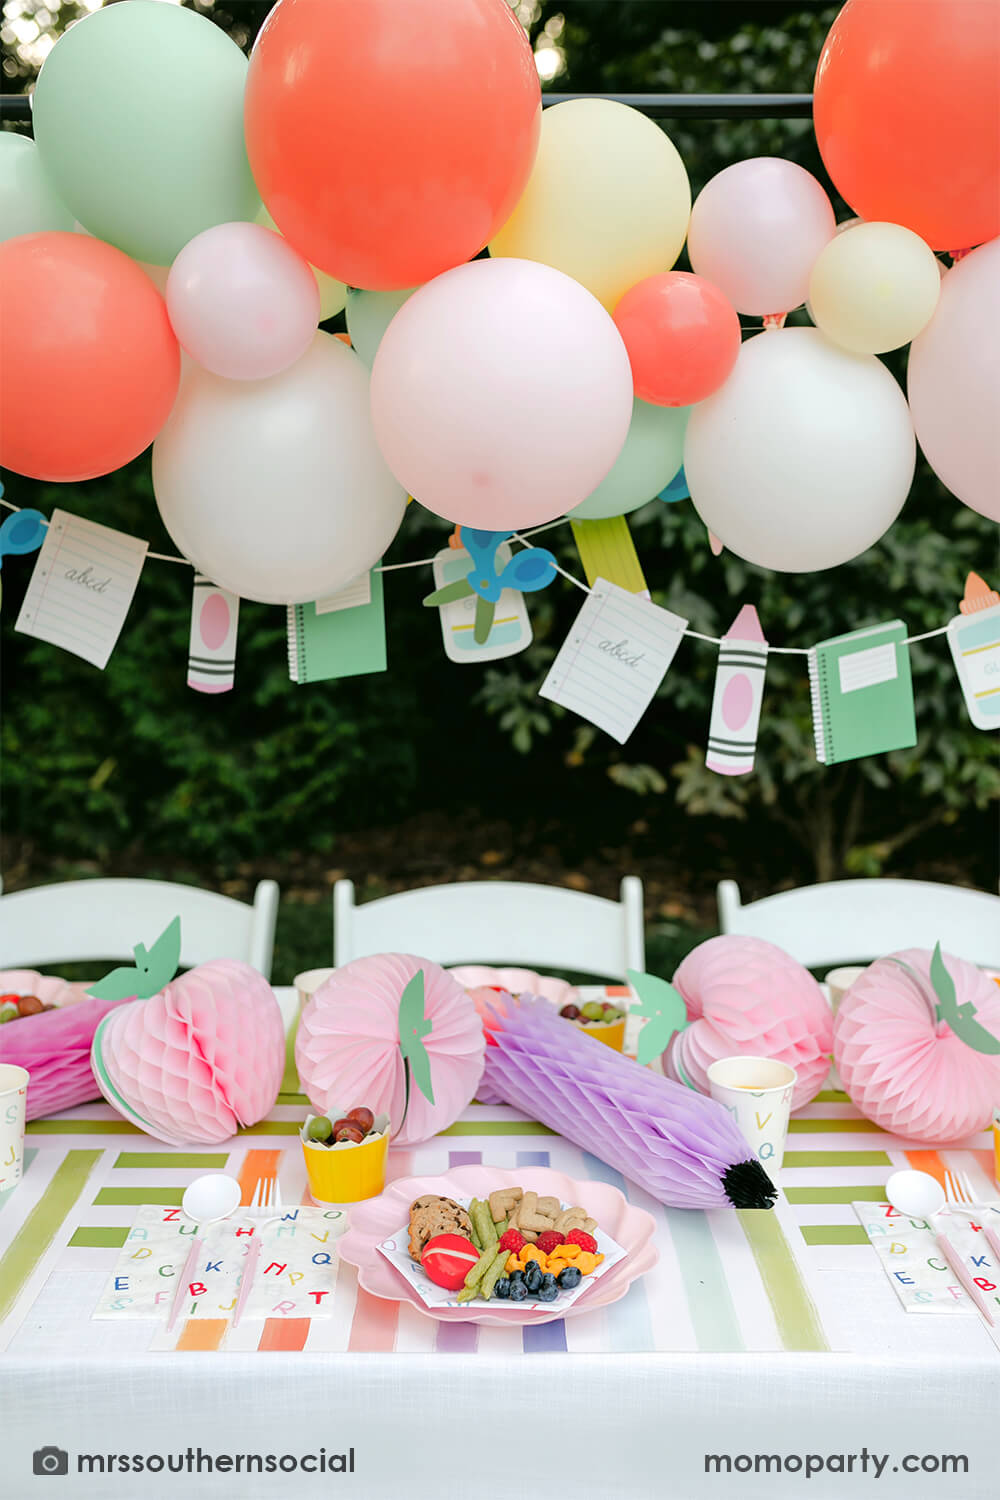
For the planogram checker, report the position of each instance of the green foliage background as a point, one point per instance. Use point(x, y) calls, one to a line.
point(130, 765)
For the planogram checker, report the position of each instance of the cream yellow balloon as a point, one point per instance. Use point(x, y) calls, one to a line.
point(332, 293)
point(874, 288)
point(608, 200)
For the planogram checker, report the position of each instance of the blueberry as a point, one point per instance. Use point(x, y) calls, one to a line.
point(517, 1276)
point(548, 1293)
point(548, 1279)
point(502, 1287)
point(533, 1277)
point(518, 1290)
point(572, 1276)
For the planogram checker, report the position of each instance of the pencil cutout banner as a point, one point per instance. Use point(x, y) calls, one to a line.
point(862, 694)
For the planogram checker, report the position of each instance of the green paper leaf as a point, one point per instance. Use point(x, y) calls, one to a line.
point(413, 1027)
point(152, 972)
point(663, 1009)
point(484, 620)
point(961, 1018)
point(460, 589)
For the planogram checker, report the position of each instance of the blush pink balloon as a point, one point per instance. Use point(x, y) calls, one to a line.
point(242, 302)
point(501, 394)
point(756, 230)
point(953, 382)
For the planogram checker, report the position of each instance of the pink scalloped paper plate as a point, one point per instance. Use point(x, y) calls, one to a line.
point(517, 982)
point(378, 1218)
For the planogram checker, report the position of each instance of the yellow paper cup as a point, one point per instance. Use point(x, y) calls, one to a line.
point(611, 1033)
point(308, 982)
point(346, 1173)
point(996, 1143)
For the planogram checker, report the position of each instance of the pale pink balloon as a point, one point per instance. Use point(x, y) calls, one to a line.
point(756, 230)
point(501, 394)
point(242, 302)
point(953, 382)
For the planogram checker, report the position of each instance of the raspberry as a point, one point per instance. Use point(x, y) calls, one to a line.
point(514, 1241)
point(548, 1240)
point(581, 1238)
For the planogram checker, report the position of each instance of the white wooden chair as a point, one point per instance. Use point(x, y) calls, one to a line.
point(855, 921)
point(494, 921)
point(104, 919)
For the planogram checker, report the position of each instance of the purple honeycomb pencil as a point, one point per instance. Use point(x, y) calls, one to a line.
point(682, 1147)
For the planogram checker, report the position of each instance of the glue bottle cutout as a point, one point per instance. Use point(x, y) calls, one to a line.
point(739, 692)
point(974, 638)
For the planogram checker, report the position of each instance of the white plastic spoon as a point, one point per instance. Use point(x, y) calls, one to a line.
point(211, 1198)
point(918, 1195)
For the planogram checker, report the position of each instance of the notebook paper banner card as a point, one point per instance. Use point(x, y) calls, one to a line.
point(607, 551)
point(974, 638)
point(862, 695)
point(340, 643)
point(81, 587)
point(510, 630)
point(614, 659)
point(215, 617)
point(739, 692)
point(349, 597)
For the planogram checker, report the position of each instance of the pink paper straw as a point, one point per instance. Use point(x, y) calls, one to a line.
point(192, 1256)
point(954, 1260)
point(249, 1268)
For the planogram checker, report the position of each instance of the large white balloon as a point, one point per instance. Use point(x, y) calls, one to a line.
point(954, 382)
point(805, 456)
point(276, 488)
point(501, 394)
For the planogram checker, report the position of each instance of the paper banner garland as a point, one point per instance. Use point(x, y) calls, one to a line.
point(368, 1031)
point(679, 1146)
point(197, 1057)
point(911, 1053)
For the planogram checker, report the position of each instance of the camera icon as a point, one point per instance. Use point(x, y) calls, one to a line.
point(50, 1461)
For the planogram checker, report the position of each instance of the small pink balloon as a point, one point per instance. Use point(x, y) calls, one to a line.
point(242, 302)
point(756, 230)
point(501, 394)
point(953, 382)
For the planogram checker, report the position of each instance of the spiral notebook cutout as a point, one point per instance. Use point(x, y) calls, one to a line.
point(862, 695)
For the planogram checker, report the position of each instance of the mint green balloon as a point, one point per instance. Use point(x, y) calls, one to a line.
point(369, 315)
point(653, 452)
point(28, 201)
point(138, 116)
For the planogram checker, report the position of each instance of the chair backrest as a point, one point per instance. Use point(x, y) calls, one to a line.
point(494, 921)
point(104, 919)
point(855, 921)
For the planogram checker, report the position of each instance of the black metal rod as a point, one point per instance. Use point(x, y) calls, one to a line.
point(657, 106)
point(706, 106)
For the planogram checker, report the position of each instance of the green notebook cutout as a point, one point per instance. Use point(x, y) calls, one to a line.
point(339, 642)
point(862, 696)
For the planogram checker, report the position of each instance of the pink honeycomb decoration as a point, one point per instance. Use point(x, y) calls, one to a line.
point(748, 998)
point(906, 1070)
point(193, 1063)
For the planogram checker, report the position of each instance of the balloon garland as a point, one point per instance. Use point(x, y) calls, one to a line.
point(572, 371)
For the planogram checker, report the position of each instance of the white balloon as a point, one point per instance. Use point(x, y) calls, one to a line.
point(805, 456)
point(276, 488)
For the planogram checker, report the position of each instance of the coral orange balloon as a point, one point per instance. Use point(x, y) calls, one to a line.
point(90, 363)
point(907, 115)
point(391, 141)
point(682, 336)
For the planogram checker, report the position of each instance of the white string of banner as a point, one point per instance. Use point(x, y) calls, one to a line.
point(426, 562)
